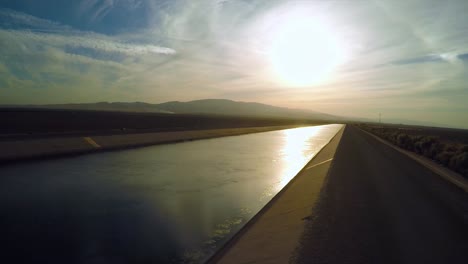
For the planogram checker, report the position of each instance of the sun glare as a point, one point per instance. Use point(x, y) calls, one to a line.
point(304, 51)
point(296, 152)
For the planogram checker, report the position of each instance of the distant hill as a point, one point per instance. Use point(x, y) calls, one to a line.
point(228, 107)
point(206, 106)
point(102, 106)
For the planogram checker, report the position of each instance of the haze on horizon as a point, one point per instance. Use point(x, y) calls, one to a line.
point(405, 59)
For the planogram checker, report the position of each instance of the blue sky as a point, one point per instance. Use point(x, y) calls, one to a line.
point(404, 59)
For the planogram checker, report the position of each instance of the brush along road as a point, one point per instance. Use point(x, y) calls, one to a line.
point(380, 206)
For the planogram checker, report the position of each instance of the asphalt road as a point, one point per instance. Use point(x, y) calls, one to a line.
point(379, 206)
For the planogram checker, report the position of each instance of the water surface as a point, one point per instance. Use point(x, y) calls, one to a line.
point(161, 204)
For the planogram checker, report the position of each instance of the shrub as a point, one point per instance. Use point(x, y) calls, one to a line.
point(459, 162)
point(444, 157)
point(464, 148)
point(424, 145)
point(450, 148)
point(403, 141)
point(453, 156)
point(394, 137)
point(434, 150)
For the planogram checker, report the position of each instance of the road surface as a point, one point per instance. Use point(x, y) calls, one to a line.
point(379, 206)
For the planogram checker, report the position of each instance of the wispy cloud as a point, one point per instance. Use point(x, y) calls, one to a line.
point(16, 20)
point(424, 59)
point(463, 57)
point(86, 44)
point(29, 29)
point(97, 8)
point(44, 57)
point(400, 55)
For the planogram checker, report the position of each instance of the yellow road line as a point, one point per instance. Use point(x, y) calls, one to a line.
point(92, 142)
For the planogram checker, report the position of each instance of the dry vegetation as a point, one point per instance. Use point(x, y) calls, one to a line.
point(432, 143)
point(33, 123)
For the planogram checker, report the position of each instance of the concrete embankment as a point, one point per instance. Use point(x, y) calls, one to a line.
point(18, 150)
point(273, 235)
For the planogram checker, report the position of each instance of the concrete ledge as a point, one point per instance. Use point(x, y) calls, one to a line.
point(274, 233)
point(12, 151)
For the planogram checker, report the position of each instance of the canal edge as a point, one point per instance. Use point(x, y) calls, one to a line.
point(324, 157)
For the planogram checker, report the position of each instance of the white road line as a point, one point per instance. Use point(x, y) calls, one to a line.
point(315, 165)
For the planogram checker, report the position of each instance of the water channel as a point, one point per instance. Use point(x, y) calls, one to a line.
point(174, 203)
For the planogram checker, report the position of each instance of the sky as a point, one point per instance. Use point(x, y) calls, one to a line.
point(404, 59)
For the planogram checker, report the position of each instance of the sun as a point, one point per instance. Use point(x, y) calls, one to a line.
point(303, 51)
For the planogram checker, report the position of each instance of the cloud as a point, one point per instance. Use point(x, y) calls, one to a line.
point(29, 29)
point(16, 20)
point(417, 60)
point(94, 45)
point(132, 4)
point(463, 57)
point(42, 57)
point(156, 50)
point(97, 8)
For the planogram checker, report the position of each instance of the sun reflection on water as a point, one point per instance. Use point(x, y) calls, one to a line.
point(296, 152)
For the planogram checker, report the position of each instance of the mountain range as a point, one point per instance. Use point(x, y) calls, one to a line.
point(205, 106)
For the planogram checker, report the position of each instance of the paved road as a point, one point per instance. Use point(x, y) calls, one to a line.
point(378, 206)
